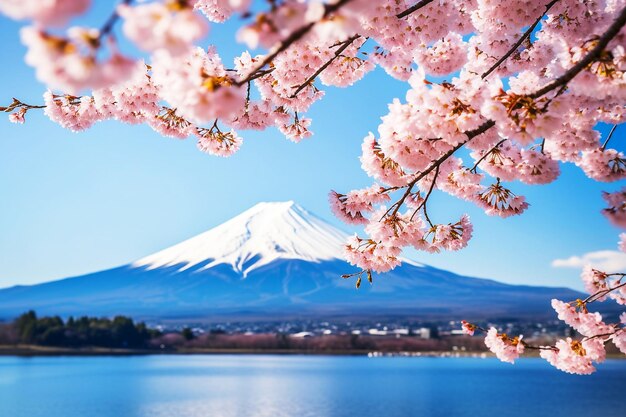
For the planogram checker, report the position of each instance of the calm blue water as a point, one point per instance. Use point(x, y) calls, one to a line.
point(302, 386)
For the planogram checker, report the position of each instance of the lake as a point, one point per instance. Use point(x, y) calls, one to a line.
point(302, 386)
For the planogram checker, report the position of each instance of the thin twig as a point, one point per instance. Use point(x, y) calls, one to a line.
point(471, 134)
point(423, 203)
point(601, 293)
point(292, 38)
point(414, 8)
point(338, 52)
point(603, 41)
point(608, 138)
point(107, 27)
point(486, 154)
point(521, 40)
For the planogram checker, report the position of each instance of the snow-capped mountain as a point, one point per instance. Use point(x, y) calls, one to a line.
point(275, 260)
point(259, 236)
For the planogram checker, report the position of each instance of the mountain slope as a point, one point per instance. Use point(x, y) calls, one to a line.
point(275, 260)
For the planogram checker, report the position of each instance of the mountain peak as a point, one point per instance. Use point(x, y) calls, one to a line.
point(262, 234)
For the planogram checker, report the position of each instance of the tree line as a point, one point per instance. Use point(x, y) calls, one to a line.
point(118, 332)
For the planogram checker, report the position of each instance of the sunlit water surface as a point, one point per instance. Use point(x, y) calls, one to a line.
point(302, 386)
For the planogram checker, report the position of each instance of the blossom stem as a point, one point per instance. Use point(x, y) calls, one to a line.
point(595, 296)
point(423, 203)
point(603, 41)
point(338, 52)
point(107, 27)
point(414, 8)
point(608, 138)
point(521, 40)
point(471, 134)
point(482, 158)
point(291, 39)
point(18, 104)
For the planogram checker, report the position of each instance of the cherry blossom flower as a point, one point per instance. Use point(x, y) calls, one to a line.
point(505, 348)
point(201, 90)
point(468, 328)
point(587, 324)
point(616, 212)
point(171, 26)
point(220, 10)
point(18, 116)
point(575, 357)
point(216, 142)
point(44, 12)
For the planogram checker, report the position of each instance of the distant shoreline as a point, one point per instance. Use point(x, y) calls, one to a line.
point(32, 350)
point(43, 351)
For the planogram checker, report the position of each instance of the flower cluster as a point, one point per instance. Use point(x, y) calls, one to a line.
point(576, 356)
point(505, 348)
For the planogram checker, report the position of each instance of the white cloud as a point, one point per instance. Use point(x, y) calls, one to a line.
point(604, 260)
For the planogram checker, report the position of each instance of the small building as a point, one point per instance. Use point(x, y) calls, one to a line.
point(422, 332)
point(302, 335)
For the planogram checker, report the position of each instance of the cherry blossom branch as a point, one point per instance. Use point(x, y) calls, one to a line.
point(597, 295)
point(521, 40)
point(359, 275)
point(423, 203)
point(338, 52)
point(482, 158)
point(471, 134)
point(107, 27)
point(608, 138)
point(559, 82)
point(17, 104)
point(504, 335)
point(603, 41)
point(291, 39)
point(615, 326)
point(414, 8)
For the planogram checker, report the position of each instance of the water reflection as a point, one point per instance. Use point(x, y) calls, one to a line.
point(301, 386)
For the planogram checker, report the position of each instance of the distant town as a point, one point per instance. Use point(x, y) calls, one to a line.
point(388, 328)
point(30, 334)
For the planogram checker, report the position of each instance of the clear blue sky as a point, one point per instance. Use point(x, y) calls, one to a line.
point(77, 203)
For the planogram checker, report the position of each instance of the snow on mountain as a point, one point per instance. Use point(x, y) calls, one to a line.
point(292, 262)
point(258, 236)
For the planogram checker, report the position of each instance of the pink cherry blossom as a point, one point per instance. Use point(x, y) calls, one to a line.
point(587, 324)
point(575, 357)
point(468, 328)
point(201, 90)
point(505, 348)
point(44, 12)
point(352, 207)
point(297, 129)
point(444, 56)
point(156, 25)
point(18, 116)
point(218, 143)
point(220, 10)
point(616, 212)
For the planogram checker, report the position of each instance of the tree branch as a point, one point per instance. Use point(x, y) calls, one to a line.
point(486, 154)
point(343, 47)
point(292, 38)
point(423, 204)
point(608, 138)
point(604, 40)
point(414, 8)
point(521, 40)
point(471, 134)
point(107, 27)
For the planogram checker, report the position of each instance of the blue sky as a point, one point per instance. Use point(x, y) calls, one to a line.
point(76, 203)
